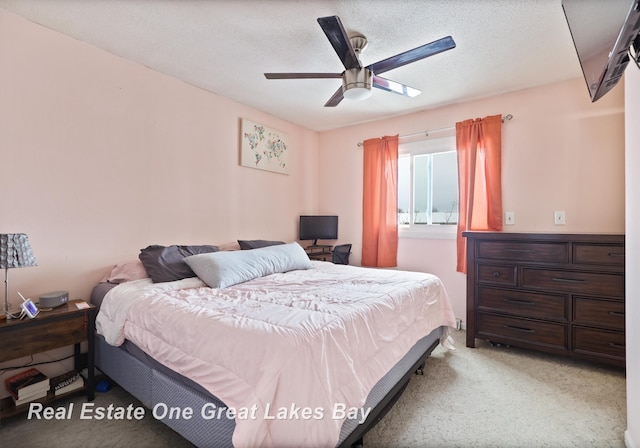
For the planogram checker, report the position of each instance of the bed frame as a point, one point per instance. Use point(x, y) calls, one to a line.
point(152, 383)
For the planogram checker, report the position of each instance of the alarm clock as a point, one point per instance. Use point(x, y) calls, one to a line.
point(54, 299)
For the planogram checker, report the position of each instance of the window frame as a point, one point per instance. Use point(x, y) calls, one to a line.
point(440, 144)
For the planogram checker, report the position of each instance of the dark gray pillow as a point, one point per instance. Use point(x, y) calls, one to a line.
point(166, 263)
point(257, 244)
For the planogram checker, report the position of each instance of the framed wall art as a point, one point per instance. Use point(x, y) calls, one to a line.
point(263, 148)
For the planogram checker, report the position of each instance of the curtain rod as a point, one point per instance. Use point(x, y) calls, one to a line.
point(426, 133)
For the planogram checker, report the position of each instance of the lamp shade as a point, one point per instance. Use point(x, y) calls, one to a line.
point(15, 251)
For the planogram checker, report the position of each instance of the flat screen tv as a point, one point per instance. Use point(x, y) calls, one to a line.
point(603, 33)
point(318, 227)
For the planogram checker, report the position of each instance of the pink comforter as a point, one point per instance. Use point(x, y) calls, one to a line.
point(275, 346)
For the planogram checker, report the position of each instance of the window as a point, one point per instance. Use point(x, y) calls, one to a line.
point(428, 186)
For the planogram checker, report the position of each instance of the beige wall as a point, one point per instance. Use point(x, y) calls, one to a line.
point(101, 157)
point(560, 152)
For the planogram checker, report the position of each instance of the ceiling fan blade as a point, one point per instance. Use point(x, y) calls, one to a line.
point(435, 47)
point(335, 99)
point(302, 75)
point(395, 87)
point(332, 27)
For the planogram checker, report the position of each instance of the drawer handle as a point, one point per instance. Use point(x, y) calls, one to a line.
point(519, 302)
point(616, 313)
point(567, 280)
point(614, 345)
point(524, 330)
point(496, 274)
point(616, 254)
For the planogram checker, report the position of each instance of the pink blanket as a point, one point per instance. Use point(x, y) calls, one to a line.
point(292, 353)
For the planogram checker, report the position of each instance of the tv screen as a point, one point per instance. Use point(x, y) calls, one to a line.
point(602, 33)
point(318, 227)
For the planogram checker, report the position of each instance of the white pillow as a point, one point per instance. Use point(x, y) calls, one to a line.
point(222, 269)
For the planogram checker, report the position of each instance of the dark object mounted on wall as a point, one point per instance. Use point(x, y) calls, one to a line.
point(606, 35)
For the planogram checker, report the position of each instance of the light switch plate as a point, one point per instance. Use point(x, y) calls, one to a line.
point(509, 218)
point(559, 218)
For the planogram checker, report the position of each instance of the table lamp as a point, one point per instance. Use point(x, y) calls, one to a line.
point(15, 252)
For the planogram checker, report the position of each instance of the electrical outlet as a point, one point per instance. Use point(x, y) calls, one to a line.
point(509, 218)
point(559, 218)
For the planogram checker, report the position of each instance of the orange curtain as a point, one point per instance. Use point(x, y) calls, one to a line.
point(380, 202)
point(479, 144)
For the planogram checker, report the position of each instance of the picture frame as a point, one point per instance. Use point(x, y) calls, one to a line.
point(263, 148)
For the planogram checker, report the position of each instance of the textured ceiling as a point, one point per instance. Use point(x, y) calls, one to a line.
point(225, 46)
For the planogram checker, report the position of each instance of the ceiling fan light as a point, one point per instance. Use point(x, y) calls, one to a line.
point(357, 93)
point(356, 84)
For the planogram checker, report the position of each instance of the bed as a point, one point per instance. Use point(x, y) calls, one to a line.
point(267, 348)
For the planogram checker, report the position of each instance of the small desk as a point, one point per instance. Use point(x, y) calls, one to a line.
point(320, 252)
point(60, 327)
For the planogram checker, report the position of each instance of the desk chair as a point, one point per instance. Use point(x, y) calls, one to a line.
point(341, 254)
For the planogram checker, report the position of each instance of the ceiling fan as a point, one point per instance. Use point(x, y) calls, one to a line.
point(356, 79)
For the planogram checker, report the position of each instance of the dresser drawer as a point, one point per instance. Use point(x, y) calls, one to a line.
point(611, 285)
point(527, 304)
point(552, 335)
point(496, 274)
point(592, 341)
point(523, 251)
point(598, 312)
point(598, 254)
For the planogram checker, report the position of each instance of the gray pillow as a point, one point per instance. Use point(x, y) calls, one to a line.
point(166, 264)
point(257, 244)
point(222, 269)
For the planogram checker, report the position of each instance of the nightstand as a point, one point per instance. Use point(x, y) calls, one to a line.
point(60, 327)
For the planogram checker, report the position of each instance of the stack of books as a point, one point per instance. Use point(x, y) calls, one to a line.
point(66, 382)
point(27, 386)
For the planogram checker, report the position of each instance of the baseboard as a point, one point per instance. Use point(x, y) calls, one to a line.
point(627, 440)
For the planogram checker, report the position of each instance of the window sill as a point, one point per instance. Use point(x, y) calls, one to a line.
point(431, 232)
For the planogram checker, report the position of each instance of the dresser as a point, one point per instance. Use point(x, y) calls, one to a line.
point(555, 293)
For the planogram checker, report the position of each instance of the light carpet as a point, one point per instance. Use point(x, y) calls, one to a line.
point(506, 397)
